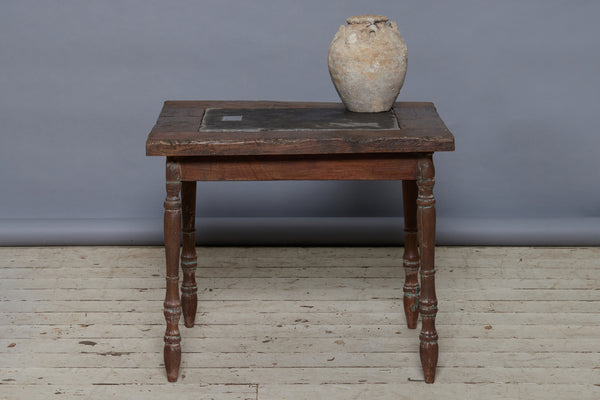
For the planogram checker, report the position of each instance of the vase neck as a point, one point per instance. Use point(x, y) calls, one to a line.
point(366, 19)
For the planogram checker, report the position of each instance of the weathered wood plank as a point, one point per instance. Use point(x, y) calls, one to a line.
point(469, 306)
point(62, 376)
point(145, 257)
point(116, 358)
point(141, 275)
point(268, 289)
point(132, 391)
point(548, 286)
point(289, 314)
point(138, 277)
point(303, 328)
point(53, 255)
point(412, 390)
point(400, 391)
point(273, 344)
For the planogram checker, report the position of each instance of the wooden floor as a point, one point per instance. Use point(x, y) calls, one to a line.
point(299, 323)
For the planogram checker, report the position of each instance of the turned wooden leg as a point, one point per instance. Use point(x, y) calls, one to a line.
point(426, 235)
point(411, 254)
point(189, 290)
point(172, 306)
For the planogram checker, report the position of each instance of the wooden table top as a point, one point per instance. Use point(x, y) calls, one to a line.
point(230, 128)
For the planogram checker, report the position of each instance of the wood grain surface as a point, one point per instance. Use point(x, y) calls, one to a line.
point(299, 323)
point(177, 133)
point(314, 167)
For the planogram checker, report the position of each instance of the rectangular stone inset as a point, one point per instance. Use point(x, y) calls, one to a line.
point(293, 119)
point(232, 118)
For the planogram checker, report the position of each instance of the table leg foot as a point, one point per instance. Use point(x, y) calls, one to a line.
point(429, 358)
point(172, 354)
point(411, 254)
point(189, 260)
point(426, 234)
point(172, 305)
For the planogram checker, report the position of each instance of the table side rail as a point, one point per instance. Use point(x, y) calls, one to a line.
point(314, 167)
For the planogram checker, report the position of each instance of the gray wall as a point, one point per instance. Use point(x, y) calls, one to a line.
point(81, 83)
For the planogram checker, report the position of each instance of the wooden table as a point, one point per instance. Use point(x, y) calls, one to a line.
point(263, 141)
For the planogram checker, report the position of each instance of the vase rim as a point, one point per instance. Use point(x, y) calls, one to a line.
point(366, 19)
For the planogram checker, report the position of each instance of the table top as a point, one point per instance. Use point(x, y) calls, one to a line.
point(230, 128)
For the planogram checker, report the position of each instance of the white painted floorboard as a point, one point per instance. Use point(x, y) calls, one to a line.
point(299, 323)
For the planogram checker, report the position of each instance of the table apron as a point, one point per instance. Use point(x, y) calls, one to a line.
point(321, 167)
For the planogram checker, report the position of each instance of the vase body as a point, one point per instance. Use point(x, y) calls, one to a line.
point(367, 63)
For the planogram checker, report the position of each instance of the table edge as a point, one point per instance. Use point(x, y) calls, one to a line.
point(155, 143)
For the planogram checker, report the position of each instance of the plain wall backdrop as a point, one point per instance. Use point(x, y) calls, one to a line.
point(82, 82)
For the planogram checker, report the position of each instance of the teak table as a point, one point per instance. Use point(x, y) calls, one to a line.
point(263, 141)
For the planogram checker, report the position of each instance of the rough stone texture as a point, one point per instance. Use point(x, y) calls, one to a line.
point(367, 63)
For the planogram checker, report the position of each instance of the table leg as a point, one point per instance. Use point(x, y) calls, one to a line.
point(426, 234)
point(172, 305)
point(189, 289)
point(411, 254)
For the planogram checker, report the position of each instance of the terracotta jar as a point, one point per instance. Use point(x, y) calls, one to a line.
point(367, 63)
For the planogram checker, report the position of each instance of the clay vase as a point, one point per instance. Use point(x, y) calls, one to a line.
point(367, 63)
